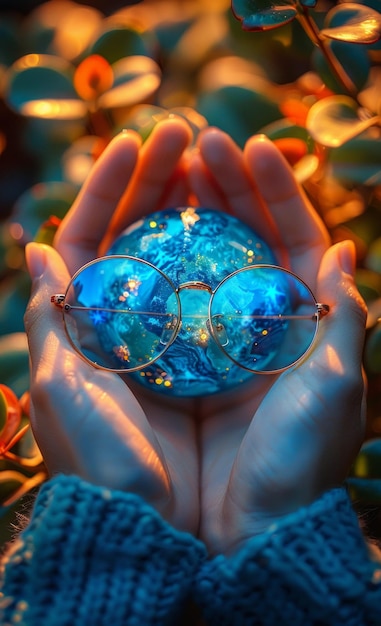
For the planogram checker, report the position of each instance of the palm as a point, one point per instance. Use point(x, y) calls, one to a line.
point(235, 450)
point(137, 432)
point(261, 455)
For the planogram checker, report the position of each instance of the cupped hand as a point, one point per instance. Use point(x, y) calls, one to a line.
point(282, 441)
point(229, 464)
point(87, 421)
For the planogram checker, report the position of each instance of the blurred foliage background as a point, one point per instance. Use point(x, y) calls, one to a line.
point(73, 74)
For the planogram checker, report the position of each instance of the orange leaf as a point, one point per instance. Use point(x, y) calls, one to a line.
point(293, 149)
point(295, 110)
point(93, 77)
point(13, 416)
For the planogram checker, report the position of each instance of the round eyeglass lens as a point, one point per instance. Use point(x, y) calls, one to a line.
point(264, 318)
point(121, 313)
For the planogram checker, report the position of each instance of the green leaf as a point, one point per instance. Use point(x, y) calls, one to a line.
point(142, 118)
point(47, 231)
point(281, 129)
point(366, 227)
point(368, 461)
point(9, 41)
point(368, 284)
point(354, 60)
point(238, 111)
point(118, 42)
point(372, 353)
point(62, 28)
point(41, 86)
point(357, 162)
point(353, 23)
point(136, 78)
point(260, 15)
point(40, 202)
point(366, 491)
point(14, 296)
point(335, 120)
point(373, 257)
point(14, 362)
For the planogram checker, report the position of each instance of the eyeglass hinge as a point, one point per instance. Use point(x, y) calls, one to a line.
point(58, 299)
point(322, 309)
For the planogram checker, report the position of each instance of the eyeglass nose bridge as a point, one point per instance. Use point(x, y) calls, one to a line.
point(197, 285)
point(171, 328)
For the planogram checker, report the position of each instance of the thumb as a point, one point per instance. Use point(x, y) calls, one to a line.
point(42, 319)
point(344, 327)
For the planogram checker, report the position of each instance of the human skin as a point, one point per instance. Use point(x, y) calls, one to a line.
point(223, 467)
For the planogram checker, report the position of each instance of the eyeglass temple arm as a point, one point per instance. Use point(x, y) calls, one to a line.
point(322, 309)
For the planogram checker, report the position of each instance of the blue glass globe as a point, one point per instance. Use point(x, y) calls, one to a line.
point(203, 246)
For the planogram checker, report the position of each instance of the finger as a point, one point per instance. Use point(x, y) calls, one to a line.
point(79, 412)
point(178, 192)
point(153, 176)
point(203, 185)
point(344, 326)
point(225, 174)
point(302, 232)
point(83, 228)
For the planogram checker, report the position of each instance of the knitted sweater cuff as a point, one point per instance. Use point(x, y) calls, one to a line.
point(92, 556)
point(311, 568)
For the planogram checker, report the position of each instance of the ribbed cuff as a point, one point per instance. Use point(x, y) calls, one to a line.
point(92, 556)
point(310, 569)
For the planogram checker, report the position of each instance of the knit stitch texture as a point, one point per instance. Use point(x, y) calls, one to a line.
point(94, 557)
point(311, 569)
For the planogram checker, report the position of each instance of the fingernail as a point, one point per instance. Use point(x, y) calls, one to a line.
point(35, 259)
point(347, 256)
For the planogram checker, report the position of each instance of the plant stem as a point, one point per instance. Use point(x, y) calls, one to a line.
point(337, 69)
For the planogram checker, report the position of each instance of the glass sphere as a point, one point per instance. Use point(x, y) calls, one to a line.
point(193, 245)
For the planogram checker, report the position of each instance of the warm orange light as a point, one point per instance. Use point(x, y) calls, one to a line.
point(295, 110)
point(292, 148)
point(68, 109)
point(93, 77)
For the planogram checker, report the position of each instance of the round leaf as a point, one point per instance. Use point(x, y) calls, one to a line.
point(135, 80)
point(62, 27)
point(260, 15)
point(354, 62)
point(40, 202)
point(368, 284)
point(93, 77)
point(41, 86)
point(80, 157)
point(372, 353)
point(118, 42)
point(263, 14)
point(14, 362)
point(364, 490)
point(357, 161)
point(231, 109)
point(334, 120)
point(14, 296)
point(373, 257)
point(353, 23)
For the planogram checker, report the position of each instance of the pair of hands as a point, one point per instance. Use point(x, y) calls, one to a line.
point(222, 467)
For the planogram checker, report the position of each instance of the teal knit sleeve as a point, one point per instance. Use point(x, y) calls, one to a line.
point(311, 569)
point(92, 556)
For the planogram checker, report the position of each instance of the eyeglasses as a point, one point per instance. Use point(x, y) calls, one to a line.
point(122, 314)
